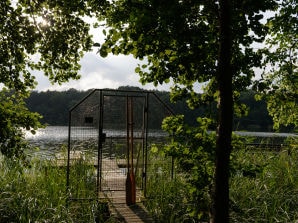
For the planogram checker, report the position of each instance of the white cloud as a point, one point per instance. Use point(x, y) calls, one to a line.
point(98, 72)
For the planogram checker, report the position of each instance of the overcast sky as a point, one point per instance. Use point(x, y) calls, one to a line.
point(109, 72)
point(98, 72)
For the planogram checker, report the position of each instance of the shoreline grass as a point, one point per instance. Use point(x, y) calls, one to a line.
point(263, 188)
point(38, 194)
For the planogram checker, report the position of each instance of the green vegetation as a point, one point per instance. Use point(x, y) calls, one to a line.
point(263, 188)
point(14, 117)
point(186, 42)
point(278, 84)
point(37, 193)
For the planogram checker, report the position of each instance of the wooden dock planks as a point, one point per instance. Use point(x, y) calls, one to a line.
point(113, 190)
point(136, 213)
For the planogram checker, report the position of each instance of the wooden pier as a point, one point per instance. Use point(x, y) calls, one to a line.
point(113, 190)
point(136, 213)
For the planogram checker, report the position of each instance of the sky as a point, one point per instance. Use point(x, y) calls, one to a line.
point(110, 72)
point(97, 72)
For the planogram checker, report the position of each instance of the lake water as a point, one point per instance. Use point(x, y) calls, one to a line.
point(50, 139)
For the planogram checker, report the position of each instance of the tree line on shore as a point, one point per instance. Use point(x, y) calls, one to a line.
point(54, 107)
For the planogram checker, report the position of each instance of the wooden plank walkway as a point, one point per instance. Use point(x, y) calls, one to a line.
point(114, 179)
point(113, 189)
point(131, 214)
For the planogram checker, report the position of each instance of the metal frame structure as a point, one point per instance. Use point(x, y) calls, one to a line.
point(99, 125)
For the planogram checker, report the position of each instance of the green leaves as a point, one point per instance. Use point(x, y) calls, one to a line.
point(14, 46)
point(194, 150)
point(52, 32)
point(15, 118)
point(279, 82)
point(50, 36)
point(179, 40)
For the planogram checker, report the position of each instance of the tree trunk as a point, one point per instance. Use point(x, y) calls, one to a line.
point(225, 117)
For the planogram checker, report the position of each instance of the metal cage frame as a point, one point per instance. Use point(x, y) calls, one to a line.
point(95, 104)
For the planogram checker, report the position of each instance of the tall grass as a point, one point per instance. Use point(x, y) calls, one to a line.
point(263, 188)
point(166, 194)
point(167, 202)
point(38, 194)
point(270, 194)
point(32, 194)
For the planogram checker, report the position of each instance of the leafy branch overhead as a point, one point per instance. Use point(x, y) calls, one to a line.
point(41, 35)
point(279, 81)
point(179, 40)
point(49, 36)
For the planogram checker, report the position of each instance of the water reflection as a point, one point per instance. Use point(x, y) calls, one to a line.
point(53, 139)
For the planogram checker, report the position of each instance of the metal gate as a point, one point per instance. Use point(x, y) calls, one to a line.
point(109, 135)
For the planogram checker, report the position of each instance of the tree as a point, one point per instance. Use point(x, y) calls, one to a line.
point(50, 36)
point(53, 31)
point(14, 116)
point(225, 116)
point(192, 42)
point(280, 79)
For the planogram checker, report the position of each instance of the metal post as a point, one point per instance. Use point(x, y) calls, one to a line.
point(100, 141)
point(127, 136)
point(146, 138)
point(143, 143)
point(68, 157)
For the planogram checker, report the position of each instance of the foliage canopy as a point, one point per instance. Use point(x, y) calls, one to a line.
point(45, 35)
point(280, 77)
point(179, 40)
point(49, 36)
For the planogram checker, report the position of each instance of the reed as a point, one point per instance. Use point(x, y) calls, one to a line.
point(166, 199)
point(263, 188)
point(270, 192)
point(38, 194)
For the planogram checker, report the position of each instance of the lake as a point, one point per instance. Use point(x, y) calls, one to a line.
point(50, 139)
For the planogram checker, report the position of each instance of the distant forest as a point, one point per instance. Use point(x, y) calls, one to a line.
point(54, 107)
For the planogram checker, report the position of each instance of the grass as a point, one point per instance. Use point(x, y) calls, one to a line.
point(38, 194)
point(269, 195)
point(166, 197)
point(263, 188)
